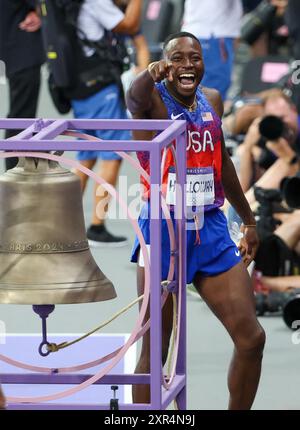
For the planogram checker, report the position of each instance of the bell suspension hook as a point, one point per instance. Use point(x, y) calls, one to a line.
point(43, 312)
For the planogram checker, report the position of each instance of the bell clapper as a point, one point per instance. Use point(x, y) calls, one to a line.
point(43, 312)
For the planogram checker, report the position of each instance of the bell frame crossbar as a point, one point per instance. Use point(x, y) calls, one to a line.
point(43, 135)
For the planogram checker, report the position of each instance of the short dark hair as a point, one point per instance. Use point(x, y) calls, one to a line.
point(178, 35)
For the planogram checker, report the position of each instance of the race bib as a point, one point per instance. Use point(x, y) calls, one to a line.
point(200, 187)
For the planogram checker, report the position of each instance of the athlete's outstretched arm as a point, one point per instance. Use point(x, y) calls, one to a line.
point(141, 94)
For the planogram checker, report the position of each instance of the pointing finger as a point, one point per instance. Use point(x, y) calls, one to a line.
point(170, 72)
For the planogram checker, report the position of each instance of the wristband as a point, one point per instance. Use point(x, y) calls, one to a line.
point(249, 225)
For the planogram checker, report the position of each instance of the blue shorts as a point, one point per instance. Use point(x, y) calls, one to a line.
point(218, 57)
point(106, 104)
point(215, 254)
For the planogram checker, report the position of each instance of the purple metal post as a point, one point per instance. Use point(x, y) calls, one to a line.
point(48, 130)
point(155, 265)
point(181, 230)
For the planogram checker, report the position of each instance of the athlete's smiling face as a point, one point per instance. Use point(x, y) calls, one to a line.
point(185, 54)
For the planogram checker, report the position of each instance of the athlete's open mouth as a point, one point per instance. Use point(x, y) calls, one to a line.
point(187, 80)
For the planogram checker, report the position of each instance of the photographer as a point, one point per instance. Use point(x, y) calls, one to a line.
point(264, 28)
point(277, 264)
point(276, 250)
point(267, 162)
point(292, 20)
point(217, 26)
point(21, 49)
point(101, 97)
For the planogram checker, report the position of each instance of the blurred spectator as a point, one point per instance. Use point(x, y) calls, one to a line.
point(266, 163)
point(281, 283)
point(282, 150)
point(140, 52)
point(249, 5)
point(292, 20)
point(22, 51)
point(244, 110)
point(157, 22)
point(263, 54)
point(287, 235)
point(251, 151)
point(264, 28)
point(96, 17)
point(206, 19)
point(277, 262)
point(176, 21)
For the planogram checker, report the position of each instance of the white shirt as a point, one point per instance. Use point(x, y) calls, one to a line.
point(218, 18)
point(94, 17)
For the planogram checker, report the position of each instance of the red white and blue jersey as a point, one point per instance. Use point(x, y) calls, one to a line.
point(204, 153)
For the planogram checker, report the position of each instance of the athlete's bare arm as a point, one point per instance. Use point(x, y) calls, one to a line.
point(143, 100)
point(130, 24)
point(232, 188)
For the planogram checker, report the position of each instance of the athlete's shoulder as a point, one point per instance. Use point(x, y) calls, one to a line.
point(215, 99)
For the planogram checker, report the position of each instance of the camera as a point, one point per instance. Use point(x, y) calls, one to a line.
point(268, 198)
point(290, 189)
point(257, 22)
point(271, 302)
point(266, 224)
point(291, 309)
point(272, 128)
point(287, 303)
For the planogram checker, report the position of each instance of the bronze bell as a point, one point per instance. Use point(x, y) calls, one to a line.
point(44, 253)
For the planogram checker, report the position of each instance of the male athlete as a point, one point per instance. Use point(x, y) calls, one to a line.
point(170, 89)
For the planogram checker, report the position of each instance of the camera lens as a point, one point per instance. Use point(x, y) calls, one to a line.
point(291, 311)
point(271, 127)
point(256, 22)
point(290, 189)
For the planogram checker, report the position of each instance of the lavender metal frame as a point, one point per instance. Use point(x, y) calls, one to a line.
point(46, 131)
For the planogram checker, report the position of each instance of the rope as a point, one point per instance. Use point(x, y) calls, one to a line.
point(72, 163)
point(54, 347)
point(80, 367)
point(173, 351)
point(174, 335)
